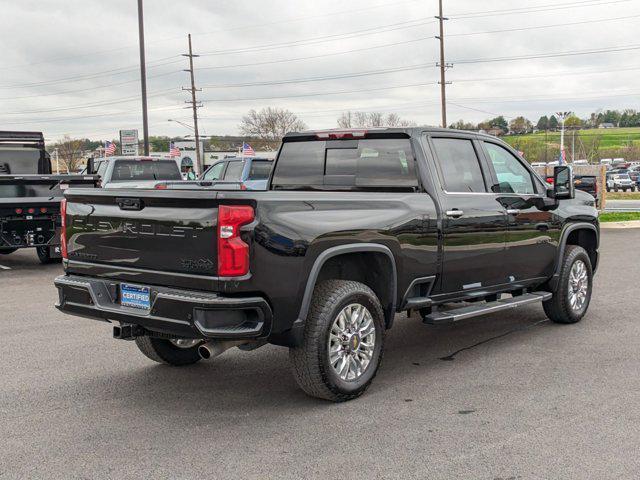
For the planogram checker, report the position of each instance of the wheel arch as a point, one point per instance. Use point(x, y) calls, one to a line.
point(585, 235)
point(330, 264)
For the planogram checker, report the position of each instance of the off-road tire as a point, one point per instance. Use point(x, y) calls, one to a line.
point(163, 351)
point(558, 308)
point(44, 256)
point(310, 361)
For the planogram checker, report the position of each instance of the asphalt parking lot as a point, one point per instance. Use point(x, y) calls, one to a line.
point(505, 396)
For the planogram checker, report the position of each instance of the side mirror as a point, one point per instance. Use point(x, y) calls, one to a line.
point(90, 166)
point(563, 186)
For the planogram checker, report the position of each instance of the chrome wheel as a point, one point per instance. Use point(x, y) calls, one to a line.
point(352, 342)
point(185, 342)
point(578, 285)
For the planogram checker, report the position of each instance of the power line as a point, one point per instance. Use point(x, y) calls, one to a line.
point(325, 38)
point(88, 105)
point(535, 9)
point(97, 87)
point(549, 55)
point(319, 94)
point(114, 71)
point(538, 27)
point(311, 57)
point(323, 78)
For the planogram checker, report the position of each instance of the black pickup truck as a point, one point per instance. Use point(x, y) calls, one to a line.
point(355, 226)
point(30, 196)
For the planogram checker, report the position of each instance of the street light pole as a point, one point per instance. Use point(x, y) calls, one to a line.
point(143, 79)
point(563, 116)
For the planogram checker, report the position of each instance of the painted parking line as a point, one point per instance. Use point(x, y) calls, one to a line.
point(4, 268)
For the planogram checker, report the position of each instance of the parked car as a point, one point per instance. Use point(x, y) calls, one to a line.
point(633, 174)
point(354, 227)
point(588, 184)
point(135, 172)
point(30, 196)
point(620, 181)
point(252, 173)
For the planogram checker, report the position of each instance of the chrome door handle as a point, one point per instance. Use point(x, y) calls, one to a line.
point(513, 211)
point(455, 213)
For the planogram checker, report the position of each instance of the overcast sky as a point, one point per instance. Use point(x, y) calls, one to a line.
point(71, 67)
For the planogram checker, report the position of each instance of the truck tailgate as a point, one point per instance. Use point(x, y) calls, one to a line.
point(150, 236)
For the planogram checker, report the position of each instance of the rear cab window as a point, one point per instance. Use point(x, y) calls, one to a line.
point(349, 164)
point(259, 170)
point(138, 170)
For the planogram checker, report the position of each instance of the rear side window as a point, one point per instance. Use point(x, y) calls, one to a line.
point(347, 163)
point(215, 172)
point(459, 164)
point(259, 170)
point(133, 170)
point(234, 171)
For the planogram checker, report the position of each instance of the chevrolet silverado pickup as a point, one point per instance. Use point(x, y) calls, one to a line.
point(354, 227)
point(30, 196)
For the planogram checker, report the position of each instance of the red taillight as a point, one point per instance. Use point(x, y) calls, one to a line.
point(43, 210)
point(19, 211)
point(63, 231)
point(161, 186)
point(31, 211)
point(233, 252)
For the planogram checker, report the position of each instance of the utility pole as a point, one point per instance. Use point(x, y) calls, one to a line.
point(443, 66)
point(143, 79)
point(562, 116)
point(195, 105)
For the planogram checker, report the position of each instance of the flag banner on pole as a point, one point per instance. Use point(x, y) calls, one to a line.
point(173, 150)
point(247, 150)
point(109, 148)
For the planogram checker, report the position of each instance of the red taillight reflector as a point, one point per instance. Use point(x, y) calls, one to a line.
point(342, 134)
point(63, 230)
point(31, 211)
point(233, 252)
point(43, 210)
point(19, 211)
point(161, 186)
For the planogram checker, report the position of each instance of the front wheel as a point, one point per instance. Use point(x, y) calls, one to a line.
point(343, 341)
point(571, 299)
point(177, 352)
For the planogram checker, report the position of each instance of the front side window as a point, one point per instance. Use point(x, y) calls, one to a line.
point(513, 176)
point(215, 172)
point(460, 165)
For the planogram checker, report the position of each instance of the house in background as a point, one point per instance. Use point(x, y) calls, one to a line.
point(606, 125)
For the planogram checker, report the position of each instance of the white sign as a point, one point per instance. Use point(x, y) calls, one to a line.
point(129, 142)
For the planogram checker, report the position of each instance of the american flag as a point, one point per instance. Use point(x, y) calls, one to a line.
point(109, 148)
point(247, 150)
point(173, 150)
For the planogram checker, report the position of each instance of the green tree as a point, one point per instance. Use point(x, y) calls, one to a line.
point(520, 125)
point(553, 123)
point(159, 144)
point(462, 125)
point(543, 123)
point(573, 122)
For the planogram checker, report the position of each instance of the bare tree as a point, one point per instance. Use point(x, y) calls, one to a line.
point(270, 124)
point(372, 119)
point(69, 153)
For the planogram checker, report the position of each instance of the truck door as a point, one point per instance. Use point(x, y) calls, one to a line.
point(533, 233)
point(474, 223)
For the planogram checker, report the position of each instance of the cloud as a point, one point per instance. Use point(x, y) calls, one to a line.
point(72, 67)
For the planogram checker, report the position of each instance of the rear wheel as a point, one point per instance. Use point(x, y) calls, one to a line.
point(571, 299)
point(343, 341)
point(177, 352)
point(44, 255)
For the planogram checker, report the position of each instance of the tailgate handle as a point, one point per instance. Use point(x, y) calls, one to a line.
point(130, 203)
